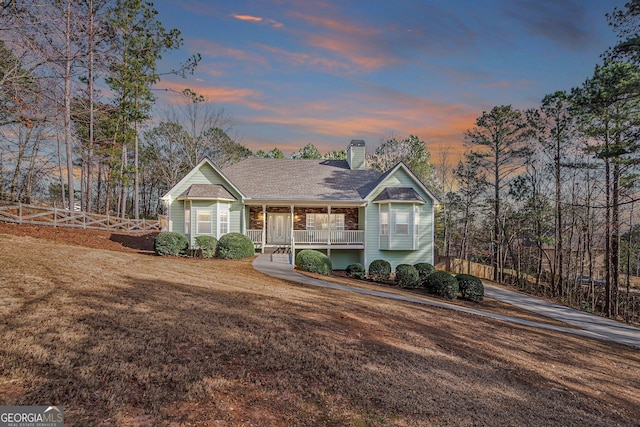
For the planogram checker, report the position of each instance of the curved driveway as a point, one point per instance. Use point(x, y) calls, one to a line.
point(588, 325)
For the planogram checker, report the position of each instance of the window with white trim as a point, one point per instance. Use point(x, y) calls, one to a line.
point(223, 217)
point(203, 224)
point(402, 223)
point(187, 221)
point(384, 223)
point(321, 222)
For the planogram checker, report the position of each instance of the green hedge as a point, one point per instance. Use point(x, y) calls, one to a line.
point(379, 270)
point(207, 245)
point(170, 243)
point(471, 288)
point(235, 246)
point(407, 276)
point(355, 270)
point(314, 262)
point(443, 284)
point(424, 270)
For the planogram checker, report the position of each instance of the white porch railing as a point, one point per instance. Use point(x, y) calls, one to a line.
point(255, 236)
point(317, 237)
point(333, 237)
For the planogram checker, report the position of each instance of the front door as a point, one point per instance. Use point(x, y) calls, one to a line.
point(279, 225)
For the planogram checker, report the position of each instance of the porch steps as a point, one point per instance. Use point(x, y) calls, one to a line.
point(281, 258)
point(279, 254)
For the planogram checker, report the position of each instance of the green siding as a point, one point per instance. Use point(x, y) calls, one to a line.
point(401, 241)
point(340, 259)
point(398, 254)
point(176, 213)
point(204, 175)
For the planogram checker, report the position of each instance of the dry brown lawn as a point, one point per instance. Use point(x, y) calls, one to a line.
point(127, 338)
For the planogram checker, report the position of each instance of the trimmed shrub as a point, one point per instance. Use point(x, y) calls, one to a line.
point(170, 243)
point(407, 276)
point(424, 270)
point(235, 246)
point(471, 288)
point(207, 244)
point(314, 262)
point(443, 284)
point(355, 270)
point(379, 270)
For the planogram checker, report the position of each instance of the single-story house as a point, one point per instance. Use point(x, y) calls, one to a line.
point(338, 207)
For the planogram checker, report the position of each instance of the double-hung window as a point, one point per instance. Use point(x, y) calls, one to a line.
point(402, 223)
point(384, 223)
point(203, 224)
point(223, 220)
point(187, 221)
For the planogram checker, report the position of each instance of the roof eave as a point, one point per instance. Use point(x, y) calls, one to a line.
point(420, 202)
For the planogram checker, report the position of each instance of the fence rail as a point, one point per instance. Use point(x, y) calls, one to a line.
point(39, 215)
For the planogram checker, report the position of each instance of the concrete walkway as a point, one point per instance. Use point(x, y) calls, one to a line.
point(588, 325)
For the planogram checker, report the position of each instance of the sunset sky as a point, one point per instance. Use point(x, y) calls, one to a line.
point(292, 72)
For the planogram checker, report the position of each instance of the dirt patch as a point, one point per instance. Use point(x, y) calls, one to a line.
point(99, 239)
point(122, 338)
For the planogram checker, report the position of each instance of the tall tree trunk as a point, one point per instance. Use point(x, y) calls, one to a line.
point(496, 218)
point(90, 72)
point(99, 187)
point(136, 178)
point(32, 167)
point(607, 243)
point(558, 221)
point(16, 171)
point(67, 107)
point(123, 189)
point(60, 174)
point(615, 238)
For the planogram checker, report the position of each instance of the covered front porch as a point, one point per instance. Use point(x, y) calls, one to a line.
point(306, 227)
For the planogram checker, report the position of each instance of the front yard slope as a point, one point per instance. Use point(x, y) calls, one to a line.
point(125, 338)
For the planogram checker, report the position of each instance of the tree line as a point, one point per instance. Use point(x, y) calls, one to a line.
point(545, 195)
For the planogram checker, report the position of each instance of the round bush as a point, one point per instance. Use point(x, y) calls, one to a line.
point(170, 243)
point(407, 276)
point(471, 288)
point(314, 262)
point(355, 270)
point(207, 244)
point(235, 246)
point(443, 284)
point(379, 270)
point(424, 270)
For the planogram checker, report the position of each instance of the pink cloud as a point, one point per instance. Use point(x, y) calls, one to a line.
point(257, 19)
point(335, 25)
point(221, 94)
point(247, 18)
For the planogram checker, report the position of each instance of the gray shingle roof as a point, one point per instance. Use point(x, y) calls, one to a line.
point(207, 191)
point(289, 179)
point(399, 194)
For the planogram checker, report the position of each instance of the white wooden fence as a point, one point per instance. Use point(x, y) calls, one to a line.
point(39, 215)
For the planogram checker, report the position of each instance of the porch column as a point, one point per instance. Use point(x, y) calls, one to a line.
point(330, 230)
point(293, 240)
point(264, 226)
point(243, 219)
